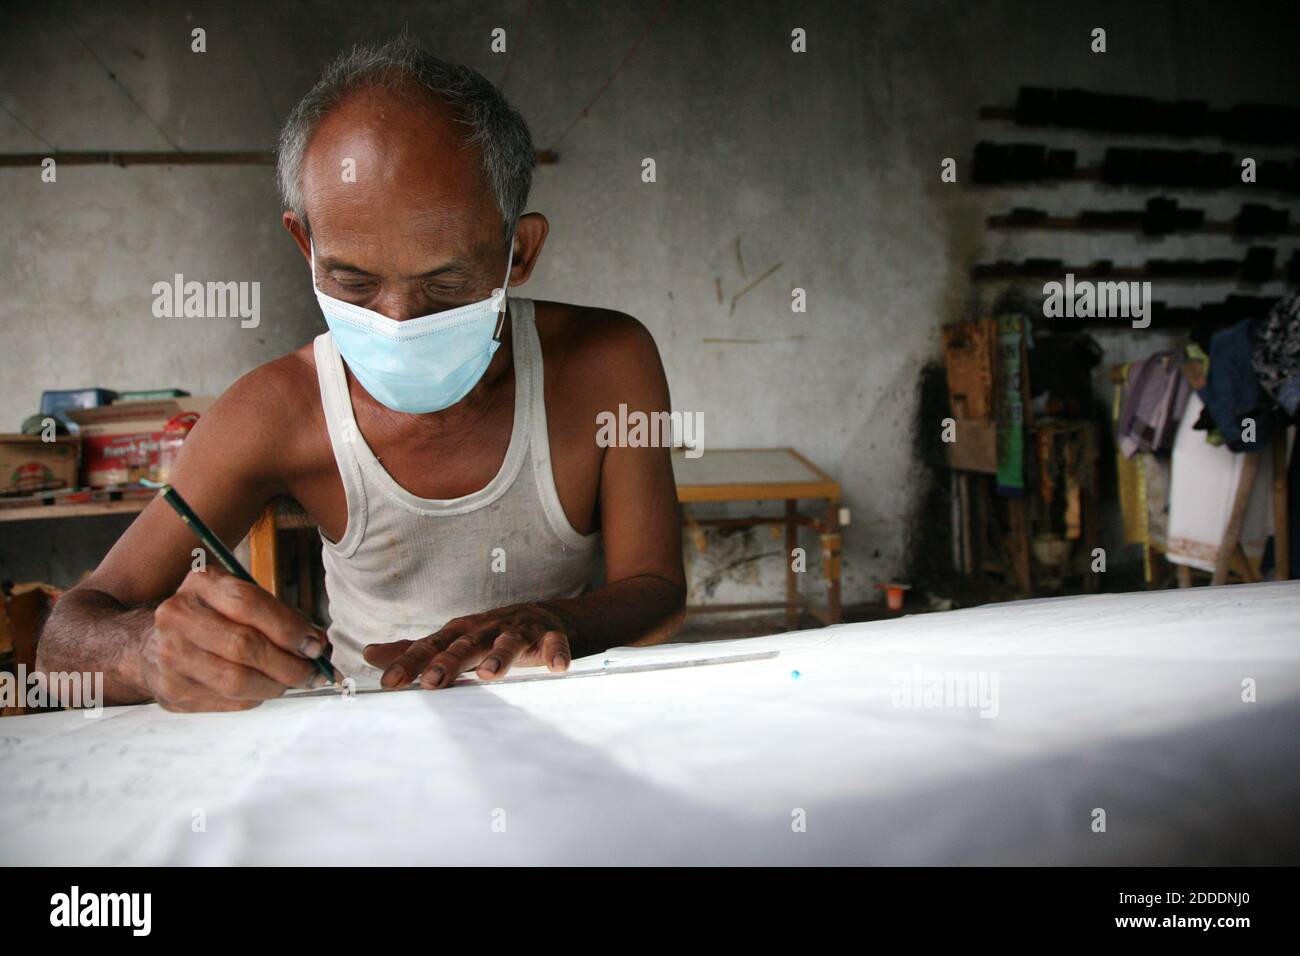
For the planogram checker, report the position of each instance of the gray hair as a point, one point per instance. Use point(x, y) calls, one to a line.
point(496, 127)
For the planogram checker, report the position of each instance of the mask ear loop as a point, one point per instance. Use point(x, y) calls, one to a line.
point(501, 321)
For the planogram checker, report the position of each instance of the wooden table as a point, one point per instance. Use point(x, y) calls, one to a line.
point(724, 475)
point(751, 474)
point(767, 474)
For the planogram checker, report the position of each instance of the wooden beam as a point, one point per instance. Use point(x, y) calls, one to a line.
point(150, 158)
point(545, 157)
point(1281, 508)
point(1236, 518)
point(791, 576)
point(263, 551)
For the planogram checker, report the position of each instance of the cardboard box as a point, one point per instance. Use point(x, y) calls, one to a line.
point(56, 400)
point(123, 442)
point(28, 464)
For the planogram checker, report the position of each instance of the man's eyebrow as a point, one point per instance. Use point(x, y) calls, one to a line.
point(334, 265)
point(454, 266)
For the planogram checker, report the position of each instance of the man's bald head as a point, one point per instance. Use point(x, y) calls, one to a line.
point(397, 97)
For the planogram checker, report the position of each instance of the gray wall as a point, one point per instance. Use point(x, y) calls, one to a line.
point(827, 163)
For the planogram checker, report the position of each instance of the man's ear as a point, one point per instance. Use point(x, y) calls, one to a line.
point(298, 229)
point(530, 236)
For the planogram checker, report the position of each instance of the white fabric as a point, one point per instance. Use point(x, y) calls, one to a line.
point(407, 565)
point(1202, 489)
point(1131, 704)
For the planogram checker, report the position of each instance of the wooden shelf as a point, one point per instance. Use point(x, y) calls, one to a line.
point(1093, 174)
point(1007, 114)
point(1076, 224)
point(35, 512)
point(172, 158)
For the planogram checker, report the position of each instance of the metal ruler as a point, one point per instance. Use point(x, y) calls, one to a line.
point(606, 671)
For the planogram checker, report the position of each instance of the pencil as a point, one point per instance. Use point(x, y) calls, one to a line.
point(224, 555)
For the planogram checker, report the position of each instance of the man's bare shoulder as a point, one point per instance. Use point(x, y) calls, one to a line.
point(286, 384)
point(272, 408)
point(589, 341)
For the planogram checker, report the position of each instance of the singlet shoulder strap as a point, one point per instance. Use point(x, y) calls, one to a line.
point(529, 342)
point(343, 434)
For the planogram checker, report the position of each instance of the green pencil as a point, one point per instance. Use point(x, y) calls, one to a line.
point(224, 555)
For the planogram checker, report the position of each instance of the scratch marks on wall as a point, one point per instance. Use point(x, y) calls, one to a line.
point(744, 274)
point(736, 298)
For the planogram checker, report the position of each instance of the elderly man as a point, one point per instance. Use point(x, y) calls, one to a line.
point(441, 433)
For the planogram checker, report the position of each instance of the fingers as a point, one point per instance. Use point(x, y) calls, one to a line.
point(220, 643)
point(183, 695)
point(555, 651)
point(382, 655)
point(450, 663)
point(506, 648)
point(250, 648)
point(246, 603)
point(415, 658)
point(493, 643)
point(504, 652)
point(187, 676)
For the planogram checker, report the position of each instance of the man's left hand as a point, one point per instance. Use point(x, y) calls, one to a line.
point(491, 642)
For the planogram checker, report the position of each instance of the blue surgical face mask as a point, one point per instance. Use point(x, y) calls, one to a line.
point(420, 365)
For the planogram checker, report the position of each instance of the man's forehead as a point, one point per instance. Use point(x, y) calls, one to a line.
point(394, 252)
point(398, 159)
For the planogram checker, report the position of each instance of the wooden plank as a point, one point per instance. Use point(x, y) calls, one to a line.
point(1241, 564)
point(831, 546)
point(1017, 544)
point(263, 551)
point(791, 576)
point(813, 468)
point(721, 608)
point(1237, 517)
point(748, 465)
point(751, 474)
point(976, 447)
point(1076, 224)
point(1281, 508)
point(81, 510)
point(693, 494)
point(172, 158)
point(970, 357)
point(305, 547)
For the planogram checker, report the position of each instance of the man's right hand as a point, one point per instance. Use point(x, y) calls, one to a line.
point(220, 643)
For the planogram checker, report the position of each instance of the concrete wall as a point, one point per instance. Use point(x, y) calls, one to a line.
point(826, 163)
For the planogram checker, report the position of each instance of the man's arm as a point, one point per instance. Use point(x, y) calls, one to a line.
point(158, 630)
point(644, 601)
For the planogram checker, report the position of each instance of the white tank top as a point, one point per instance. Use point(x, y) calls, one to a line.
point(407, 565)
